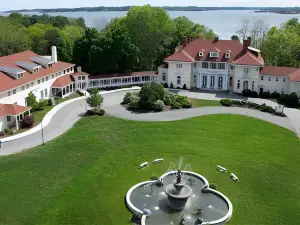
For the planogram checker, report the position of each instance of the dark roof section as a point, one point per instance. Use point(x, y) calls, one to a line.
point(116, 75)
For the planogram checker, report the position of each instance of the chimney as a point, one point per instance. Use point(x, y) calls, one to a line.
point(54, 54)
point(78, 68)
point(216, 38)
point(184, 41)
point(246, 43)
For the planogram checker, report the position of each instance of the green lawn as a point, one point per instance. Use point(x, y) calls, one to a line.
point(82, 177)
point(201, 102)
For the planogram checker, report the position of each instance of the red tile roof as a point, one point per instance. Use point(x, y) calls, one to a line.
point(165, 65)
point(80, 74)
point(190, 53)
point(12, 109)
point(292, 73)
point(63, 81)
point(115, 75)
point(8, 82)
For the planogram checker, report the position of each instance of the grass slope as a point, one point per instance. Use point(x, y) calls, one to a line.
point(82, 177)
point(202, 103)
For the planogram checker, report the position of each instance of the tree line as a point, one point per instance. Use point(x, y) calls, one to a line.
point(279, 46)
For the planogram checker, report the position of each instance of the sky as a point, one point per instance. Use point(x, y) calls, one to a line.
point(31, 4)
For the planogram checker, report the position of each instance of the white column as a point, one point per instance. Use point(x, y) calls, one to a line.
point(17, 124)
point(216, 81)
point(208, 81)
point(29, 112)
point(224, 82)
point(199, 80)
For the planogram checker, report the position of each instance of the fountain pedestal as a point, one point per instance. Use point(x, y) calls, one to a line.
point(178, 193)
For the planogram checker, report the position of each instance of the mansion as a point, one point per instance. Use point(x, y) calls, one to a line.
point(225, 65)
point(47, 77)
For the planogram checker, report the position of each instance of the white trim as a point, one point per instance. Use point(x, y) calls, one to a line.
point(178, 62)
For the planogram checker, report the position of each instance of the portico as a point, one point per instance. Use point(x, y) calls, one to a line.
point(215, 80)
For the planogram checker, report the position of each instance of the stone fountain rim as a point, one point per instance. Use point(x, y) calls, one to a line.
point(208, 190)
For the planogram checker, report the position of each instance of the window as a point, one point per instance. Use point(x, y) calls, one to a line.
point(204, 81)
point(46, 93)
point(195, 79)
point(64, 71)
point(195, 65)
point(212, 81)
point(238, 84)
point(43, 80)
point(201, 54)
point(79, 78)
point(178, 80)
point(59, 73)
point(49, 65)
point(221, 66)
point(56, 74)
point(269, 78)
point(68, 70)
point(8, 119)
point(227, 55)
point(39, 81)
point(31, 84)
point(27, 86)
point(252, 85)
point(245, 86)
point(164, 77)
point(283, 79)
point(23, 88)
point(232, 67)
point(262, 78)
point(214, 54)
point(8, 93)
point(276, 78)
point(52, 76)
point(47, 78)
point(83, 77)
point(178, 66)
point(213, 66)
point(205, 65)
point(230, 81)
point(14, 91)
point(247, 71)
point(220, 82)
point(42, 94)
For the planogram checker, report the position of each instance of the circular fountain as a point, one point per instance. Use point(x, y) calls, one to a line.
point(178, 193)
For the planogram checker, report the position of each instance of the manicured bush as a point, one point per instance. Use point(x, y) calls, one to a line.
point(292, 100)
point(246, 93)
point(175, 105)
point(186, 103)
point(2, 133)
point(171, 85)
point(149, 94)
point(39, 106)
point(134, 103)
point(254, 94)
point(275, 95)
point(268, 109)
point(166, 85)
point(159, 105)
point(265, 94)
point(169, 98)
point(226, 102)
point(184, 87)
point(27, 122)
point(127, 98)
point(96, 111)
point(8, 131)
point(95, 100)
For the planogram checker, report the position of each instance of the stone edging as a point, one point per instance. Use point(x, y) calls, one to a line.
point(48, 117)
point(207, 189)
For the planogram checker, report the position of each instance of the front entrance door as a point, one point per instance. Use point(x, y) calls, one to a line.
point(261, 90)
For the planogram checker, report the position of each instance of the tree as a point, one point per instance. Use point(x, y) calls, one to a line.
point(31, 100)
point(235, 38)
point(150, 93)
point(95, 100)
point(73, 32)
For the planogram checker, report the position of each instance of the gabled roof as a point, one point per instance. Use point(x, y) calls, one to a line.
point(8, 82)
point(12, 109)
point(291, 72)
point(63, 81)
point(238, 54)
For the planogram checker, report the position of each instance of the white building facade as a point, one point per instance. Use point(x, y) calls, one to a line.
point(225, 65)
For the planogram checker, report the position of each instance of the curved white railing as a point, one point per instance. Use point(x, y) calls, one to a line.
point(207, 190)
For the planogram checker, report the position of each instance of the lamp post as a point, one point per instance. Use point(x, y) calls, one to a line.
point(42, 132)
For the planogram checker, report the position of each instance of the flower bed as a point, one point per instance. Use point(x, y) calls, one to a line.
point(246, 104)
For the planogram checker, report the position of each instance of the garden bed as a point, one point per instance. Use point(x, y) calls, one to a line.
point(250, 105)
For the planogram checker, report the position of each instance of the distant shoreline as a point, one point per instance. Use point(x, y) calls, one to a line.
point(278, 10)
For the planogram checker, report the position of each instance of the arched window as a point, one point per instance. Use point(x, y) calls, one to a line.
point(230, 82)
point(238, 84)
point(178, 80)
point(204, 81)
point(245, 85)
point(252, 85)
point(163, 76)
point(220, 82)
point(212, 81)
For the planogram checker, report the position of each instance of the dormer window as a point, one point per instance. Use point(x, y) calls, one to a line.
point(20, 75)
point(50, 65)
point(214, 54)
point(201, 54)
point(227, 55)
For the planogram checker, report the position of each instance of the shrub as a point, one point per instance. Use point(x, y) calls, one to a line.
point(292, 100)
point(6, 130)
point(95, 100)
point(254, 94)
point(39, 106)
point(184, 87)
point(246, 93)
point(44, 102)
point(96, 111)
point(169, 98)
point(150, 93)
point(275, 95)
point(80, 93)
point(265, 94)
point(283, 99)
point(268, 109)
point(213, 186)
point(180, 99)
point(226, 102)
point(2, 133)
point(166, 85)
point(31, 100)
point(159, 105)
point(135, 102)
point(171, 85)
point(187, 103)
point(127, 98)
point(27, 122)
point(175, 105)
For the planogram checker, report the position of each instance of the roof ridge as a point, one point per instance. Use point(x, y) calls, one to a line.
point(188, 55)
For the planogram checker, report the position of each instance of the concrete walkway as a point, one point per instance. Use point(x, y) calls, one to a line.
point(117, 110)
